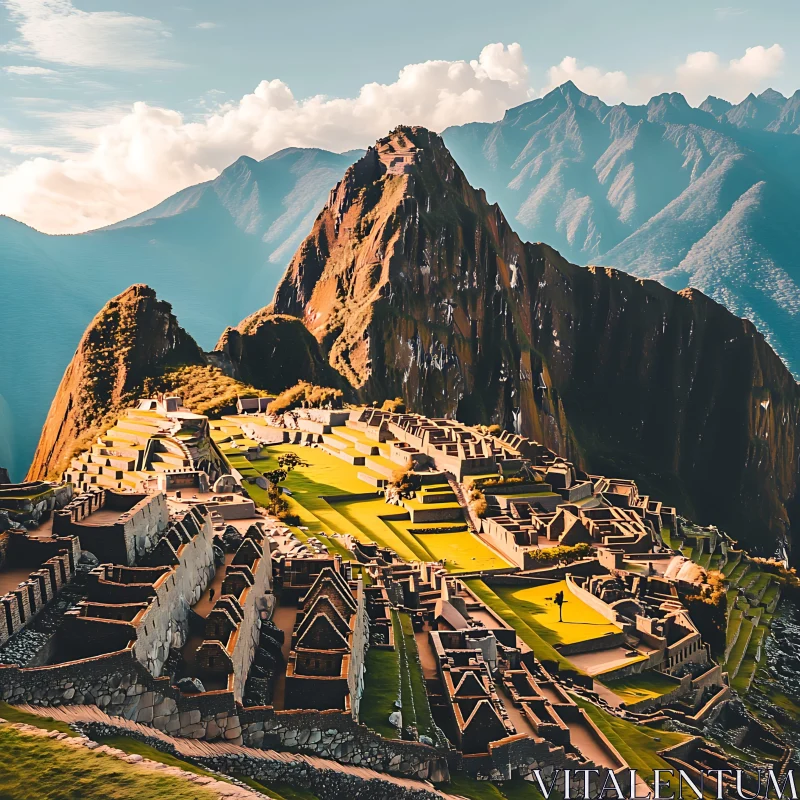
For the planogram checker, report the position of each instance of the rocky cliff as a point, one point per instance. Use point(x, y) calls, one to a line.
point(134, 337)
point(415, 286)
point(272, 352)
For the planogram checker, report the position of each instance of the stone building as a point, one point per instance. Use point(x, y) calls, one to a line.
point(325, 669)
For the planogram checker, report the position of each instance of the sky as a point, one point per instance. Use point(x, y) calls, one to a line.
point(110, 106)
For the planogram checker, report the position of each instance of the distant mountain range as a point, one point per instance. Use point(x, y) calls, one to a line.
point(705, 197)
point(215, 251)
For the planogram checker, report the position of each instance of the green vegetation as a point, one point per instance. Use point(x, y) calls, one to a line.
point(534, 605)
point(516, 789)
point(414, 693)
point(381, 684)
point(324, 475)
point(13, 714)
point(279, 791)
point(566, 553)
point(644, 686)
point(204, 389)
point(35, 766)
point(388, 670)
point(637, 744)
point(304, 392)
point(462, 552)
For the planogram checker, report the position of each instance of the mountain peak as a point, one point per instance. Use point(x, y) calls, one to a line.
point(133, 337)
point(772, 96)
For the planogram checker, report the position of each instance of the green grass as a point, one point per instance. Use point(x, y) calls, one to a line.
point(279, 791)
point(739, 648)
point(381, 683)
point(534, 605)
point(644, 686)
point(463, 552)
point(516, 789)
point(414, 693)
point(749, 664)
point(637, 744)
point(50, 770)
point(13, 714)
point(542, 649)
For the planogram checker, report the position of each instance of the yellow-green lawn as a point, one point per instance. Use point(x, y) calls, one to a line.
point(535, 606)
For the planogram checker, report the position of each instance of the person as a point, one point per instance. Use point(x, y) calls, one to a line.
point(211, 595)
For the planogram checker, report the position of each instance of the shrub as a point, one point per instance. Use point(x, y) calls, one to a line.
point(396, 406)
point(565, 553)
point(478, 505)
point(304, 392)
point(709, 609)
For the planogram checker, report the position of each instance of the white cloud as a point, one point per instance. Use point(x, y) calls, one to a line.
point(108, 164)
point(704, 73)
point(612, 87)
point(149, 153)
point(56, 31)
point(23, 70)
point(206, 26)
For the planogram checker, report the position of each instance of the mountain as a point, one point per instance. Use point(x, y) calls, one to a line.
point(134, 337)
point(217, 250)
point(704, 197)
point(272, 352)
point(416, 286)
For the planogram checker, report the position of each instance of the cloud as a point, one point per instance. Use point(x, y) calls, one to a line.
point(108, 164)
point(206, 26)
point(56, 31)
point(23, 70)
point(704, 73)
point(149, 153)
point(613, 87)
point(727, 12)
point(701, 74)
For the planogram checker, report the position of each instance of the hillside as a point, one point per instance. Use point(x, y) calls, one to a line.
point(132, 339)
point(417, 287)
point(216, 250)
point(702, 197)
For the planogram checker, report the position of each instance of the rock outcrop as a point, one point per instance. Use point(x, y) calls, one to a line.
point(272, 352)
point(416, 287)
point(134, 337)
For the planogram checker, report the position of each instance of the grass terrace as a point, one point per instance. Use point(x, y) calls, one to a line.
point(535, 606)
point(327, 476)
point(396, 672)
point(644, 686)
point(637, 744)
point(542, 649)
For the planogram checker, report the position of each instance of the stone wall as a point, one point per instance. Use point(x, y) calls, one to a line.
point(120, 685)
point(356, 669)
point(142, 519)
point(326, 780)
point(248, 632)
point(166, 621)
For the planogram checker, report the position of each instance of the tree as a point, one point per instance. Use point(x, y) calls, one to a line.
point(289, 461)
point(559, 601)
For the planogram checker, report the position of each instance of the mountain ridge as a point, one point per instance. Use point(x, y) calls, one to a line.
point(416, 286)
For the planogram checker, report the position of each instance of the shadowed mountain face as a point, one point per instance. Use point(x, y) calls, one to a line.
point(416, 286)
point(705, 197)
point(215, 250)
